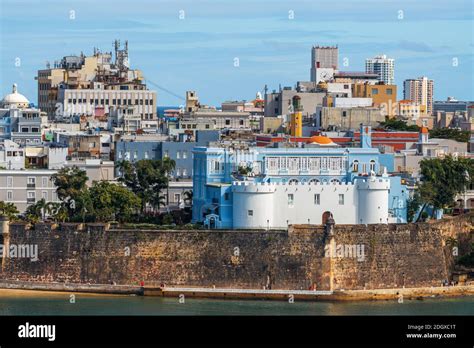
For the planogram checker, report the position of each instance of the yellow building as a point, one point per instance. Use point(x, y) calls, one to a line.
point(410, 110)
point(381, 94)
point(296, 120)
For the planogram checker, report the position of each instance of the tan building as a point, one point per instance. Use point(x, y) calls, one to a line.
point(26, 187)
point(202, 117)
point(279, 103)
point(421, 91)
point(335, 118)
point(272, 125)
point(409, 160)
point(381, 94)
point(96, 169)
point(81, 145)
point(410, 110)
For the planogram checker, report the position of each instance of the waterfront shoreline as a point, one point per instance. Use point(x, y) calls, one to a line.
point(244, 294)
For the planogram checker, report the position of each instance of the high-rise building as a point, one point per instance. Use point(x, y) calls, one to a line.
point(420, 90)
point(324, 62)
point(382, 66)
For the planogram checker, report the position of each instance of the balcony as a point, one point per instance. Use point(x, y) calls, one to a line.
point(31, 186)
point(31, 200)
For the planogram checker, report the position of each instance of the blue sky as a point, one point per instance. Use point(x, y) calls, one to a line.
point(197, 52)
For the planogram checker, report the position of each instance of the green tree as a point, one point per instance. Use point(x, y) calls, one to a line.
point(146, 178)
point(444, 178)
point(398, 125)
point(71, 189)
point(58, 211)
point(450, 133)
point(112, 201)
point(9, 210)
point(34, 212)
point(413, 205)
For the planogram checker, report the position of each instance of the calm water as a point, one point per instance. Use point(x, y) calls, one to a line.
point(47, 303)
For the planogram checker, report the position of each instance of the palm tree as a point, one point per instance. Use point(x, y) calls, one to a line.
point(41, 207)
point(9, 210)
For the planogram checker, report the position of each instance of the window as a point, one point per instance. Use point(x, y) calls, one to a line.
point(317, 199)
point(146, 154)
point(290, 199)
point(166, 153)
point(185, 154)
point(241, 122)
point(355, 166)
point(31, 195)
point(375, 91)
point(9, 181)
point(44, 180)
point(372, 165)
point(341, 199)
point(344, 113)
point(135, 154)
point(178, 154)
point(216, 166)
point(10, 196)
point(226, 196)
point(185, 172)
point(178, 172)
point(44, 195)
point(227, 122)
point(31, 180)
point(389, 91)
point(207, 126)
point(177, 197)
point(250, 212)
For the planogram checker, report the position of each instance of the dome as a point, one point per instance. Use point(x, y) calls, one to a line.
point(15, 99)
point(321, 140)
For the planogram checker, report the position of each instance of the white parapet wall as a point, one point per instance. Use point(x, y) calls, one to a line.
point(277, 205)
point(373, 200)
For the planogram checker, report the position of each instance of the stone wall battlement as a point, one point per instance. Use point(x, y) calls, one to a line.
point(410, 255)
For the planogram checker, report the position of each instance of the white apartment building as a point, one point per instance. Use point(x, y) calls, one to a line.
point(93, 102)
point(12, 156)
point(382, 66)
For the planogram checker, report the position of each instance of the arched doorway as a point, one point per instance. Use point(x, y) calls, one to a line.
point(326, 216)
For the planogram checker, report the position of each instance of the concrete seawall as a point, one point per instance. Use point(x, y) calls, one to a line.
point(247, 294)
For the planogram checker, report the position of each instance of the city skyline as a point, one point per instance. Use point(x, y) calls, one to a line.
point(199, 51)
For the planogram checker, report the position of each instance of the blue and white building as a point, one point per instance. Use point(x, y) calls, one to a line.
point(302, 185)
